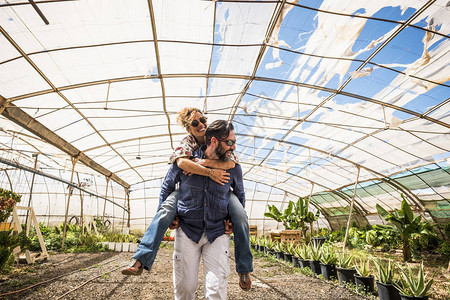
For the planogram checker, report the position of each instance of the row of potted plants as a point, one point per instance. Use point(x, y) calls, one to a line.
point(393, 281)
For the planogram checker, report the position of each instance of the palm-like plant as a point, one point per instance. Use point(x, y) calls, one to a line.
point(414, 285)
point(304, 215)
point(404, 221)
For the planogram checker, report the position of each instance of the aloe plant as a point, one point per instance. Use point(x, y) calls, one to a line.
point(345, 260)
point(414, 285)
point(363, 268)
point(270, 244)
point(279, 246)
point(252, 239)
point(385, 270)
point(289, 248)
point(329, 255)
point(314, 250)
point(404, 221)
point(302, 251)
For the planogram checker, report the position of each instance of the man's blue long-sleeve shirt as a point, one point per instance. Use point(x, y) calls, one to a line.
point(202, 203)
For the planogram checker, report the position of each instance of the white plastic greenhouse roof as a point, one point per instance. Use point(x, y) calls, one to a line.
point(318, 91)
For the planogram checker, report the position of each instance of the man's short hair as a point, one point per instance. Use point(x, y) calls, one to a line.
point(218, 129)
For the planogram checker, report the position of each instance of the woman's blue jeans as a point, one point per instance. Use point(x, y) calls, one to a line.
point(148, 248)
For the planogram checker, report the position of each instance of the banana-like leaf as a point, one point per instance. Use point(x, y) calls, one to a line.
point(408, 213)
point(382, 212)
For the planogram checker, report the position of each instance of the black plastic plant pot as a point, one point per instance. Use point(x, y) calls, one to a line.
point(279, 255)
point(295, 261)
point(404, 297)
point(387, 291)
point(318, 240)
point(328, 271)
point(288, 257)
point(261, 248)
point(303, 263)
point(365, 284)
point(345, 275)
point(315, 266)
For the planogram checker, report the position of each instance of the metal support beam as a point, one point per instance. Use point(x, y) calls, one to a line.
point(351, 210)
point(20, 117)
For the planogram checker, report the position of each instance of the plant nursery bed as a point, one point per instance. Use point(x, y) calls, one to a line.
point(97, 276)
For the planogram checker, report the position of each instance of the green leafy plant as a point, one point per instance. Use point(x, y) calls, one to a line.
point(289, 248)
point(385, 271)
point(405, 222)
point(329, 255)
point(302, 251)
point(270, 243)
point(8, 242)
point(345, 260)
point(412, 284)
point(363, 268)
point(252, 239)
point(279, 246)
point(314, 250)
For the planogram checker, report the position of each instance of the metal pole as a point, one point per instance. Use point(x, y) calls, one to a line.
point(74, 162)
point(351, 210)
point(106, 197)
point(127, 191)
point(81, 208)
point(35, 155)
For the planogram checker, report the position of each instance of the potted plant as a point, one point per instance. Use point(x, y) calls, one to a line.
point(314, 261)
point(252, 239)
point(303, 255)
point(364, 279)
point(261, 244)
point(385, 280)
point(328, 261)
point(289, 251)
point(414, 287)
point(269, 246)
point(345, 269)
point(278, 247)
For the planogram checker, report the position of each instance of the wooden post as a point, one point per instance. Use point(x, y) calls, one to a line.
point(106, 197)
point(74, 162)
point(35, 155)
point(351, 209)
point(81, 206)
point(127, 192)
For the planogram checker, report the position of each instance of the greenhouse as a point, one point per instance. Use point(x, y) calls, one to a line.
point(342, 132)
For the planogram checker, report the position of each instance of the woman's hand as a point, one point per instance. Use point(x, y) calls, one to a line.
point(219, 176)
point(228, 227)
point(175, 224)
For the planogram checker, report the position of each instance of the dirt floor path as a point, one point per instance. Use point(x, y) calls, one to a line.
point(97, 276)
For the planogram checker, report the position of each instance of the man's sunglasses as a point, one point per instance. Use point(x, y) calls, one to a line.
point(195, 123)
point(228, 142)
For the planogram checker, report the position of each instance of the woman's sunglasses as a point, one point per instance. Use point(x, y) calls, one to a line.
point(195, 123)
point(228, 142)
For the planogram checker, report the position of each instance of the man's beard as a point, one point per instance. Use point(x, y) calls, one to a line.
point(222, 153)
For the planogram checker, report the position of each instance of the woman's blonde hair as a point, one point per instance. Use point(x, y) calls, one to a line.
point(187, 115)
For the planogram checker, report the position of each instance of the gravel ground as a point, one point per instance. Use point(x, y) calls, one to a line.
point(271, 280)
